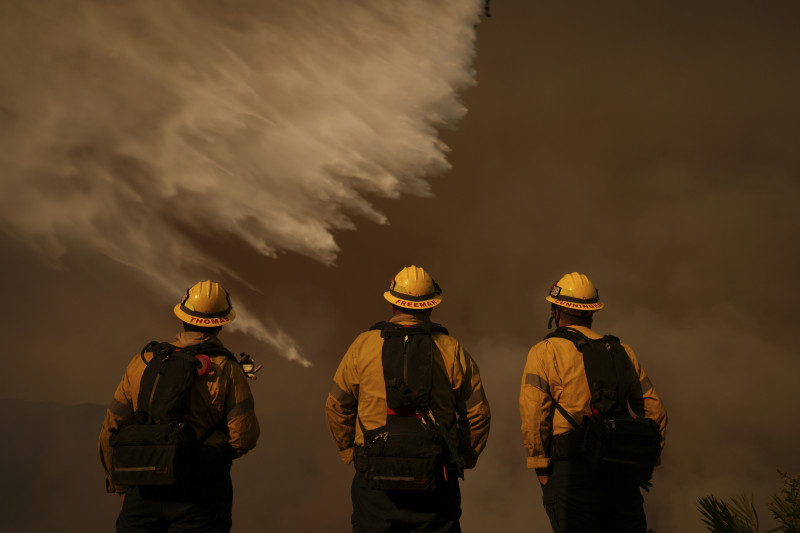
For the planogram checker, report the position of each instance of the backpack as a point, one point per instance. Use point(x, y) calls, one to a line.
point(412, 451)
point(610, 434)
point(160, 447)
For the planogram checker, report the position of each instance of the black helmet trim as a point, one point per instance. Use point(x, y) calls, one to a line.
point(198, 314)
point(578, 300)
point(409, 298)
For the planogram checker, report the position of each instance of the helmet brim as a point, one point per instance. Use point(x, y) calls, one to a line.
point(408, 304)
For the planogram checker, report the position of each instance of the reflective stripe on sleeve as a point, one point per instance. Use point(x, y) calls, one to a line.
point(343, 397)
point(646, 384)
point(538, 382)
point(243, 407)
point(475, 398)
point(122, 410)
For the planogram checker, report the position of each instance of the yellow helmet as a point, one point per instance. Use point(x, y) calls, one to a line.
point(413, 288)
point(206, 304)
point(575, 291)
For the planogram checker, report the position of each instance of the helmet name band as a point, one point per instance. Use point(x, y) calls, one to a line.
point(218, 314)
point(570, 299)
point(409, 298)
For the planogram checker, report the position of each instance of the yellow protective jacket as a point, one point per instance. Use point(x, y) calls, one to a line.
point(221, 395)
point(359, 391)
point(554, 370)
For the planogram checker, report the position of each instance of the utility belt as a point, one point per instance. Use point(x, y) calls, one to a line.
point(401, 455)
point(438, 466)
point(411, 452)
point(165, 454)
point(617, 440)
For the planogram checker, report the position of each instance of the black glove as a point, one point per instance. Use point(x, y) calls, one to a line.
point(645, 475)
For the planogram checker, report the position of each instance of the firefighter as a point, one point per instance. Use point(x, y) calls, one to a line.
point(392, 491)
point(220, 411)
point(578, 494)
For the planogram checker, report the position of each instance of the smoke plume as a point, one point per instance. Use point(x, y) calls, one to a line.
point(148, 132)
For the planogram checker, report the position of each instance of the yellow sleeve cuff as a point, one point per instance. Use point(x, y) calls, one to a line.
point(347, 455)
point(115, 489)
point(538, 462)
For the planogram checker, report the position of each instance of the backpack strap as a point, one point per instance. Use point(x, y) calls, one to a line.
point(211, 349)
point(150, 377)
point(566, 414)
point(207, 348)
point(574, 336)
point(149, 347)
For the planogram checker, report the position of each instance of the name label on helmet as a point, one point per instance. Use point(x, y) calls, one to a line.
point(208, 321)
point(573, 305)
point(406, 303)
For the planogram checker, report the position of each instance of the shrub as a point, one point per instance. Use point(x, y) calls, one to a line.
point(739, 514)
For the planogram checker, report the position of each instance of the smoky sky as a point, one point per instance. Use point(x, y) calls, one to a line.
point(134, 130)
point(652, 147)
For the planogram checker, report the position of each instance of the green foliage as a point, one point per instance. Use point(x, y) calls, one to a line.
point(785, 507)
point(737, 516)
